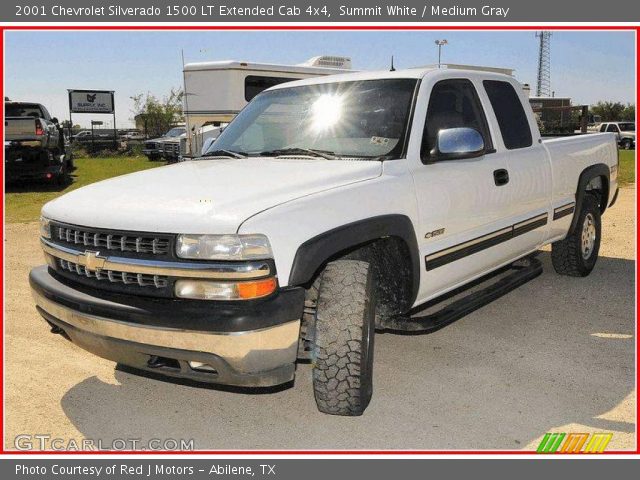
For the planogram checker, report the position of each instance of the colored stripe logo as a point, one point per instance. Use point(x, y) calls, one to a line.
point(574, 443)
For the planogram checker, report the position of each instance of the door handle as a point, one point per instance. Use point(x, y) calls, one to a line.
point(501, 177)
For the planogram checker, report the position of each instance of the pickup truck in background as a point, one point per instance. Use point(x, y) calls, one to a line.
point(34, 145)
point(154, 148)
point(329, 208)
point(625, 133)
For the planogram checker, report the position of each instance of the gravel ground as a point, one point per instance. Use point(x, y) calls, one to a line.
point(555, 355)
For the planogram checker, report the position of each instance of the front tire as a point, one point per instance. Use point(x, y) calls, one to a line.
point(577, 254)
point(343, 337)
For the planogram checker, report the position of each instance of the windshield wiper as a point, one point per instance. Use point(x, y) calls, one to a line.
point(326, 154)
point(225, 153)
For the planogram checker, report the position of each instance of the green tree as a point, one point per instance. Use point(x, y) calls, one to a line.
point(158, 115)
point(608, 111)
point(629, 113)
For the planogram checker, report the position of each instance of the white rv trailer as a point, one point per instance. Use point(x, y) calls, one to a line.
point(217, 91)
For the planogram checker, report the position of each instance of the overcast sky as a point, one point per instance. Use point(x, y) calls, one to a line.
point(41, 66)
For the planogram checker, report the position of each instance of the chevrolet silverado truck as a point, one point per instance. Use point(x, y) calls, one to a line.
point(34, 147)
point(329, 208)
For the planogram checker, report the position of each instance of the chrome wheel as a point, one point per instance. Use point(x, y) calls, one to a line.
point(588, 236)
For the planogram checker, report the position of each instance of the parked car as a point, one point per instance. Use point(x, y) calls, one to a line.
point(625, 133)
point(327, 209)
point(153, 148)
point(82, 136)
point(34, 147)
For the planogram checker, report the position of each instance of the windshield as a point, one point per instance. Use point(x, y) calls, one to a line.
point(627, 127)
point(175, 132)
point(22, 110)
point(342, 119)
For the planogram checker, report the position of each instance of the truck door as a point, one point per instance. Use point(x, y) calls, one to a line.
point(529, 166)
point(461, 203)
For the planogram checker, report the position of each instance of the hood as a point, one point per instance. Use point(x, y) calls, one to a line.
point(202, 196)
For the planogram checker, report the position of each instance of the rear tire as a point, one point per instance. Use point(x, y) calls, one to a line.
point(577, 254)
point(626, 144)
point(343, 337)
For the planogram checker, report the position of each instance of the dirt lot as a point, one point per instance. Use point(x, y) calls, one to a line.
point(555, 355)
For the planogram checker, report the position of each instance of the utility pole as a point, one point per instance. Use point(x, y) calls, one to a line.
point(543, 86)
point(440, 43)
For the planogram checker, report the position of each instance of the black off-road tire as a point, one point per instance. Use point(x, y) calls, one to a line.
point(626, 144)
point(567, 255)
point(343, 337)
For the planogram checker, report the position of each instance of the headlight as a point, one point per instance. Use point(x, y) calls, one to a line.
point(224, 247)
point(45, 227)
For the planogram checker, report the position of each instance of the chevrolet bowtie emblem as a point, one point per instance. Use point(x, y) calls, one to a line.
point(91, 261)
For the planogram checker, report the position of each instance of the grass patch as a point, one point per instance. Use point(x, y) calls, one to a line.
point(23, 202)
point(627, 173)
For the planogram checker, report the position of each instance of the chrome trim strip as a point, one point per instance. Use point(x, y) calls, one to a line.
point(246, 352)
point(564, 207)
point(213, 270)
point(460, 246)
point(530, 221)
point(564, 210)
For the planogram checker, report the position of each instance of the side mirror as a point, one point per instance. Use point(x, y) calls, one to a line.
point(458, 143)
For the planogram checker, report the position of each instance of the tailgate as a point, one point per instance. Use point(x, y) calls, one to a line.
point(19, 128)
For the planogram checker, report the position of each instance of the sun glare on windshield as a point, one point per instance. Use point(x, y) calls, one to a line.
point(326, 112)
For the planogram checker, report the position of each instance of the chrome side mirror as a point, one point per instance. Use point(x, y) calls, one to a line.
point(458, 143)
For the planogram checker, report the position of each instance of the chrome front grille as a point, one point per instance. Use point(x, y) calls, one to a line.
point(141, 279)
point(113, 241)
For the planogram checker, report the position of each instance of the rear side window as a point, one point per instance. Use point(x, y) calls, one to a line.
point(603, 127)
point(612, 128)
point(511, 117)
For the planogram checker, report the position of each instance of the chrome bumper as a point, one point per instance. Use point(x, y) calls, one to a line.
point(259, 357)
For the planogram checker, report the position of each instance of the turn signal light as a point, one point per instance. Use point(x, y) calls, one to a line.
point(256, 289)
point(211, 290)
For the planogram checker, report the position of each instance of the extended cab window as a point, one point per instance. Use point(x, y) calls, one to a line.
point(612, 128)
point(453, 104)
point(511, 117)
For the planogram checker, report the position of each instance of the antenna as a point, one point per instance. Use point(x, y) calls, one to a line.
point(186, 101)
point(392, 69)
point(543, 86)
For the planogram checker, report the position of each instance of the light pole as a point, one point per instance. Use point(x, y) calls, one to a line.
point(440, 43)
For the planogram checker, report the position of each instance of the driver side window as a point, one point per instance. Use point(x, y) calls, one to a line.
point(453, 104)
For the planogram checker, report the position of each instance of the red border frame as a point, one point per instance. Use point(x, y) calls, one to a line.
point(4, 28)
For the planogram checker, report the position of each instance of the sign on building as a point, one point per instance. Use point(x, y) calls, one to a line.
point(91, 101)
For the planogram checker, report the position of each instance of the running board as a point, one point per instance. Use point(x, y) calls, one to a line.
point(440, 316)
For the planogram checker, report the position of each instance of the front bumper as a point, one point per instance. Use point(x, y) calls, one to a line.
point(244, 345)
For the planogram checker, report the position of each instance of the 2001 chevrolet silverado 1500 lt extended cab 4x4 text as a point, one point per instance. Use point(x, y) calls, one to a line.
point(327, 209)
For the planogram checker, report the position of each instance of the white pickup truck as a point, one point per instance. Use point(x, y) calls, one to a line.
point(329, 208)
